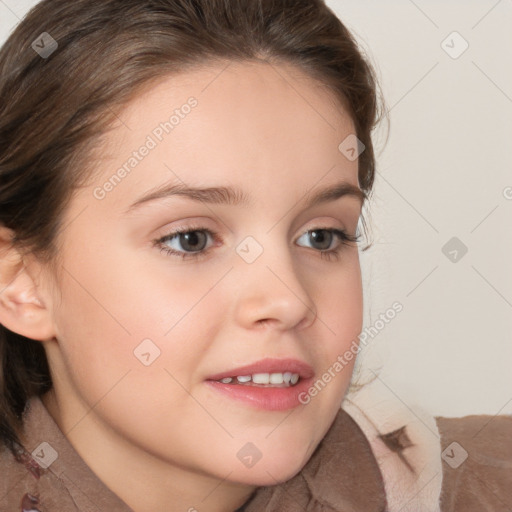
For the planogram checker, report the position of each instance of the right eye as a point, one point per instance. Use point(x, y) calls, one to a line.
point(191, 239)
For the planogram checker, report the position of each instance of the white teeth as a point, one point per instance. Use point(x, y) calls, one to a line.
point(261, 378)
point(278, 379)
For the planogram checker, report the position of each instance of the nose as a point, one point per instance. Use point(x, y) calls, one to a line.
point(271, 293)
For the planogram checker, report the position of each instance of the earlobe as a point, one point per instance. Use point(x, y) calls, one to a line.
point(21, 308)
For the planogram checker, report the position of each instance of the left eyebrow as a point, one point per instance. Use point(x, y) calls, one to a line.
point(235, 196)
point(333, 192)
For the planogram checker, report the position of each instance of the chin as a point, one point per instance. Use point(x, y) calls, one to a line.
point(268, 476)
point(274, 469)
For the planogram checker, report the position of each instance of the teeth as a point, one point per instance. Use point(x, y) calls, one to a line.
point(278, 379)
point(261, 378)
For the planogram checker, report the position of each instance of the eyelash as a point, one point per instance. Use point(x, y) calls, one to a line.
point(330, 254)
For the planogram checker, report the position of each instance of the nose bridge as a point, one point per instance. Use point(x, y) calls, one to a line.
point(271, 289)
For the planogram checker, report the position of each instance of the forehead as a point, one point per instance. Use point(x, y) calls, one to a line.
point(247, 85)
point(241, 122)
point(239, 98)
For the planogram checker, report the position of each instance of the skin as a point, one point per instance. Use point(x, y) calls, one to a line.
point(274, 133)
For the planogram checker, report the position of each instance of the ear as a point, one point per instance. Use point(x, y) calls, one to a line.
point(22, 309)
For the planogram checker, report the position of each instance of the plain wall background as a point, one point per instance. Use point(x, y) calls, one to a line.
point(446, 171)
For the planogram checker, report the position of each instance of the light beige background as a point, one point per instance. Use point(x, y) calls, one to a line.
point(446, 171)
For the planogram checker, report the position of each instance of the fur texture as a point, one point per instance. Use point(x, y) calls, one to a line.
point(406, 443)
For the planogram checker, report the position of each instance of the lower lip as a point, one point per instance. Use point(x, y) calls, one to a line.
point(267, 398)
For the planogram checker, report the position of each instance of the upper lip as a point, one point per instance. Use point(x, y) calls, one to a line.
point(269, 365)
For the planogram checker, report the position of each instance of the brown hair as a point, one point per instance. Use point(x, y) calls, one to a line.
point(54, 109)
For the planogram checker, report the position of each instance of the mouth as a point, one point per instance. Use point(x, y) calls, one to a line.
point(270, 384)
point(267, 372)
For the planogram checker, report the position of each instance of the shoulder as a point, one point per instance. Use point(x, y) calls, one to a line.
point(406, 442)
point(21, 475)
point(477, 455)
point(47, 473)
point(420, 455)
point(15, 472)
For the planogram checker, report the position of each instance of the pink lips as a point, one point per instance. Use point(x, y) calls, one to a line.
point(267, 398)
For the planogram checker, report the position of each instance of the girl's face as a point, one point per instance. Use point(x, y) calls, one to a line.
point(143, 327)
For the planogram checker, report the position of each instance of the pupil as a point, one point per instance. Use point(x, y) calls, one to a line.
point(191, 240)
point(321, 238)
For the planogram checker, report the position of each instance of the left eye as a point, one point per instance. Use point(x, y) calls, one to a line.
point(323, 237)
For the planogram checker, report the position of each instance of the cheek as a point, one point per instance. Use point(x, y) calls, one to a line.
point(339, 299)
point(130, 351)
point(340, 312)
point(121, 317)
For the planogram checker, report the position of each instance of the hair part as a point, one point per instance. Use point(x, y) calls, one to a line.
point(55, 110)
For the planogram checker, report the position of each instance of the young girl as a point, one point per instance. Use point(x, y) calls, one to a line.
point(182, 183)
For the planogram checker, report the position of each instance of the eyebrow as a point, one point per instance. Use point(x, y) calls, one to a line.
point(234, 196)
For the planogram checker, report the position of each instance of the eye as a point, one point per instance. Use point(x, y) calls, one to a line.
point(324, 238)
point(186, 243)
